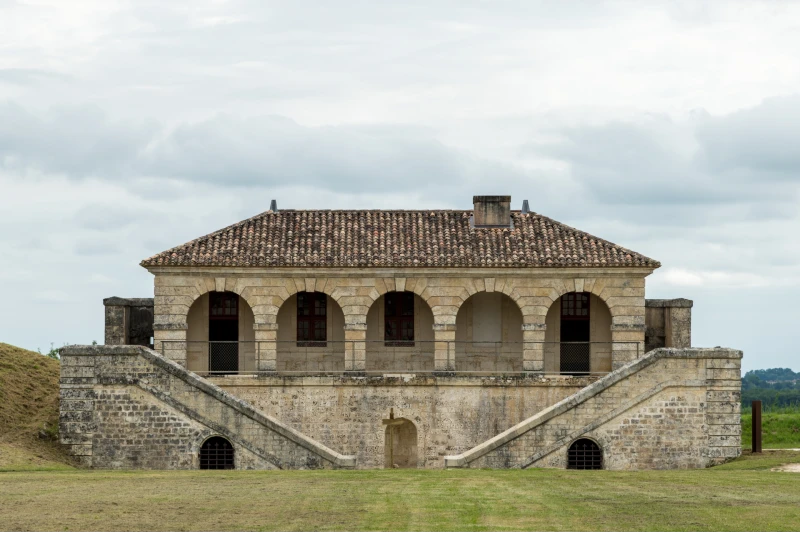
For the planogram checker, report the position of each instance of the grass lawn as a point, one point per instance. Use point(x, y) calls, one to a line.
point(742, 495)
point(780, 428)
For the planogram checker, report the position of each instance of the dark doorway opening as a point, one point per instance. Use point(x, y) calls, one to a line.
point(575, 333)
point(216, 454)
point(584, 454)
point(223, 332)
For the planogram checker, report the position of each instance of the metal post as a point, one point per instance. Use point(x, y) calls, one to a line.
point(756, 409)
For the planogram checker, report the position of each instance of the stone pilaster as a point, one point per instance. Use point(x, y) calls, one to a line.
point(533, 346)
point(266, 347)
point(355, 347)
point(444, 336)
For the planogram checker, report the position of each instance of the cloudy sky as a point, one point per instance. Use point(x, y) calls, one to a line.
point(670, 128)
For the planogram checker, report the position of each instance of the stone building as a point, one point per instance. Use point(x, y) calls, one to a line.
point(441, 338)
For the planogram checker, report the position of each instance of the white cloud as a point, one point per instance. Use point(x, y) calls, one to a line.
point(127, 128)
point(684, 278)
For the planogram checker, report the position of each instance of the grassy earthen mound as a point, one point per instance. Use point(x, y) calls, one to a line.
point(28, 410)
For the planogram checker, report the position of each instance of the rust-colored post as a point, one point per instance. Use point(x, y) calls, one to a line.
point(756, 407)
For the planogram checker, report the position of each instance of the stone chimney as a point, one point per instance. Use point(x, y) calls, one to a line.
point(492, 211)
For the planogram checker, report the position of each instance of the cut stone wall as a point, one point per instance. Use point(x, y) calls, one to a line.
point(668, 323)
point(128, 321)
point(450, 413)
point(129, 407)
point(444, 291)
point(674, 408)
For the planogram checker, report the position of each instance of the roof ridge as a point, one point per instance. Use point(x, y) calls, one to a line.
point(377, 237)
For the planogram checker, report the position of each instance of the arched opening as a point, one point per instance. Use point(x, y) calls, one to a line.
point(400, 334)
point(584, 454)
point(220, 336)
point(578, 336)
point(400, 449)
point(310, 334)
point(216, 453)
point(489, 334)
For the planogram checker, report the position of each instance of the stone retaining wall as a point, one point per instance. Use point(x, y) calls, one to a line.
point(674, 408)
point(129, 407)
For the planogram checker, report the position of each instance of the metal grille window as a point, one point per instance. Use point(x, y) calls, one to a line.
point(216, 454)
point(312, 319)
point(399, 318)
point(584, 454)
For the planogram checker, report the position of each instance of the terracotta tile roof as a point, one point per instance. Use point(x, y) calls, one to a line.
point(440, 238)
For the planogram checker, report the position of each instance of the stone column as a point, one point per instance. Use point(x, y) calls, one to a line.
point(355, 347)
point(170, 341)
point(266, 347)
point(444, 336)
point(627, 343)
point(533, 334)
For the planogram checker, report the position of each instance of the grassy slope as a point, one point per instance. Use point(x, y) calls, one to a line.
point(28, 404)
point(742, 495)
point(779, 429)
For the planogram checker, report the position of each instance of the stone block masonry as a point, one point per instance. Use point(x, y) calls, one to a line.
point(128, 407)
point(674, 408)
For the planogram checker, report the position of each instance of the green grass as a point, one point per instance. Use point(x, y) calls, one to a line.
point(780, 428)
point(742, 495)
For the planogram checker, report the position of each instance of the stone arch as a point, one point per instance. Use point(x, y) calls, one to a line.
point(488, 333)
point(204, 286)
point(400, 444)
point(584, 453)
point(400, 355)
point(293, 354)
point(593, 357)
point(200, 349)
point(592, 286)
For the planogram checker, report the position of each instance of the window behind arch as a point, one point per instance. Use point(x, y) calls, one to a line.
point(216, 454)
point(399, 318)
point(312, 319)
point(584, 454)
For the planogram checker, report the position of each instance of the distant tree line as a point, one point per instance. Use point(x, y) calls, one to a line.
point(775, 387)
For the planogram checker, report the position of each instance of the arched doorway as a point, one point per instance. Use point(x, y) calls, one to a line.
point(400, 334)
point(310, 334)
point(584, 454)
point(220, 336)
point(489, 334)
point(578, 335)
point(400, 449)
point(217, 453)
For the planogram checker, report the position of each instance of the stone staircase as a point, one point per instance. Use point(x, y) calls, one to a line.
point(673, 408)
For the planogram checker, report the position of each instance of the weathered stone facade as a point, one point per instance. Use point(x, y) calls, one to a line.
point(265, 291)
point(128, 407)
point(430, 339)
point(129, 321)
point(668, 323)
point(671, 409)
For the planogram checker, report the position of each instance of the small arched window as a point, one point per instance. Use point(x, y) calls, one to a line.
point(216, 454)
point(584, 454)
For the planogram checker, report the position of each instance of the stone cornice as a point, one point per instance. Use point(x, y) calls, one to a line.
point(285, 272)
